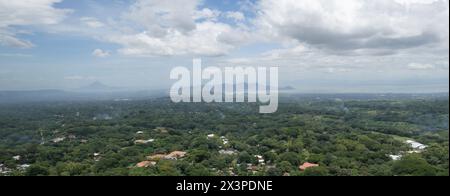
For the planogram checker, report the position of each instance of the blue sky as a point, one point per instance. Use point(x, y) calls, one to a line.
point(319, 45)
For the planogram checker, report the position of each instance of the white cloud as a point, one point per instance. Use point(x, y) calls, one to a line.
point(18, 55)
point(277, 54)
point(411, 2)
point(207, 14)
point(25, 13)
point(179, 27)
point(8, 39)
point(237, 16)
point(421, 66)
point(100, 53)
point(204, 40)
point(92, 22)
point(364, 26)
point(160, 17)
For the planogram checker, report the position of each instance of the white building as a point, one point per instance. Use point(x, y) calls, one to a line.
point(144, 141)
point(396, 157)
point(59, 139)
point(227, 152)
point(260, 159)
point(416, 145)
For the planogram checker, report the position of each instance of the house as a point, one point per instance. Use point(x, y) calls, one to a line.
point(210, 136)
point(177, 154)
point(17, 158)
point(395, 157)
point(23, 167)
point(59, 139)
point(161, 129)
point(227, 152)
point(97, 157)
point(260, 159)
point(307, 165)
point(139, 132)
point(156, 157)
point(144, 141)
point(4, 170)
point(145, 164)
point(416, 145)
point(225, 141)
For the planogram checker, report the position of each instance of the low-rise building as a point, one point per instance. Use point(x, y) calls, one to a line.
point(144, 141)
point(308, 165)
point(58, 139)
point(395, 157)
point(145, 164)
point(227, 152)
point(175, 155)
point(416, 145)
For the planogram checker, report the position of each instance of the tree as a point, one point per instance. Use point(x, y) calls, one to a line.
point(37, 170)
point(413, 165)
point(244, 157)
point(167, 168)
point(198, 170)
point(199, 156)
point(274, 172)
point(285, 166)
point(141, 172)
point(316, 171)
point(290, 157)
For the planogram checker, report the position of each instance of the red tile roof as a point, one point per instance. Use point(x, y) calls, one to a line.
point(308, 165)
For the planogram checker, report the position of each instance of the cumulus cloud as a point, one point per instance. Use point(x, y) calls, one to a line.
point(92, 22)
point(178, 27)
point(237, 16)
point(204, 40)
point(23, 13)
point(376, 27)
point(9, 39)
point(160, 17)
point(420, 66)
point(207, 14)
point(100, 53)
point(362, 28)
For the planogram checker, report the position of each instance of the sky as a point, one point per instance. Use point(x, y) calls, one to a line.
point(320, 46)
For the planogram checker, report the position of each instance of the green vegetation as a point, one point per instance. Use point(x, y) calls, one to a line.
point(345, 137)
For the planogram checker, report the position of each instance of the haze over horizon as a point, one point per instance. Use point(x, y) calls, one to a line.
point(321, 46)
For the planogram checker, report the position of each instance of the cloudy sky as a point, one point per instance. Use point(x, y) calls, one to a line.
point(319, 45)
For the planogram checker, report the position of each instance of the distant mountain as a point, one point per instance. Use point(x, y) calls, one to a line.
point(286, 88)
point(99, 87)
